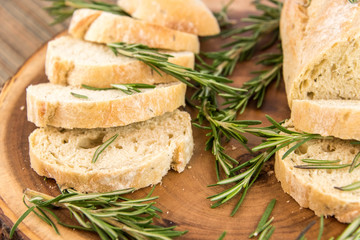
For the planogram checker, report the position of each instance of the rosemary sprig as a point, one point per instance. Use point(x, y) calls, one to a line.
point(159, 62)
point(264, 225)
point(110, 215)
point(350, 187)
point(242, 48)
point(222, 236)
point(351, 232)
point(102, 147)
point(256, 87)
point(276, 137)
point(222, 17)
point(129, 88)
point(79, 95)
point(61, 10)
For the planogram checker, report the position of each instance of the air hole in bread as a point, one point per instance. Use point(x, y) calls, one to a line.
point(64, 141)
point(304, 84)
point(346, 116)
point(310, 95)
point(87, 142)
point(119, 147)
point(328, 148)
point(352, 151)
point(171, 136)
point(134, 140)
point(302, 149)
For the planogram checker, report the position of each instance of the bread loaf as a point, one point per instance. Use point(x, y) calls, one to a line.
point(191, 16)
point(314, 188)
point(104, 27)
point(54, 105)
point(337, 118)
point(70, 61)
point(321, 46)
point(140, 156)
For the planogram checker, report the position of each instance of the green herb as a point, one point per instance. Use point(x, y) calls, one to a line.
point(244, 175)
point(324, 166)
point(350, 187)
point(352, 231)
point(242, 48)
point(306, 229)
point(353, 1)
point(222, 236)
point(79, 95)
point(129, 89)
point(223, 18)
point(110, 214)
point(102, 147)
point(61, 10)
point(354, 163)
point(321, 229)
point(265, 223)
point(159, 62)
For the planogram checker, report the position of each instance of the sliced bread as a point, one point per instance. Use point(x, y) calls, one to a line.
point(321, 52)
point(191, 16)
point(337, 118)
point(140, 156)
point(70, 107)
point(104, 27)
point(314, 188)
point(70, 61)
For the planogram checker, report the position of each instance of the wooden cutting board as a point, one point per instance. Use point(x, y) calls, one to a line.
point(182, 197)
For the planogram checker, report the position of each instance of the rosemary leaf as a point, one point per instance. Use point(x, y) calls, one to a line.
point(352, 229)
point(79, 95)
point(306, 229)
point(354, 162)
point(322, 166)
point(222, 236)
point(25, 214)
point(350, 187)
point(264, 222)
point(317, 161)
point(321, 229)
point(102, 147)
point(61, 10)
point(100, 213)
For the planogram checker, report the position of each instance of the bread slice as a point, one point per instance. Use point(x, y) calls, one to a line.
point(54, 105)
point(321, 52)
point(140, 156)
point(337, 118)
point(70, 61)
point(104, 27)
point(191, 16)
point(314, 188)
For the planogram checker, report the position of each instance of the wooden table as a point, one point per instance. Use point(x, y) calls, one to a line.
point(25, 28)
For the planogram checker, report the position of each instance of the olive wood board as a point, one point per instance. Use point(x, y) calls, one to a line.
point(182, 197)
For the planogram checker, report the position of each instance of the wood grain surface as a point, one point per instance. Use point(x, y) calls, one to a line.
point(182, 197)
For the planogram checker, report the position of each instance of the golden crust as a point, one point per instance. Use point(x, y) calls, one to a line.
point(313, 44)
point(195, 18)
point(63, 70)
point(109, 28)
point(143, 174)
point(327, 118)
point(101, 114)
point(310, 196)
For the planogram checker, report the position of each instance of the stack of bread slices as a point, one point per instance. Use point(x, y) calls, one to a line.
point(106, 139)
point(321, 45)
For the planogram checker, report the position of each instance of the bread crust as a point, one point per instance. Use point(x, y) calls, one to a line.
point(314, 45)
point(320, 200)
point(321, 117)
point(190, 16)
point(147, 172)
point(63, 69)
point(101, 114)
point(110, 28)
